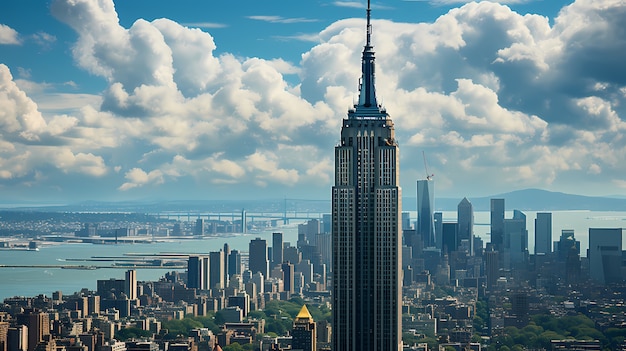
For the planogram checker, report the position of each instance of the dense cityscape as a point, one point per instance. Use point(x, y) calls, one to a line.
point(457, 293)
point(362, 275)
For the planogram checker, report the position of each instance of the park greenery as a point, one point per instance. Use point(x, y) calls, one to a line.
point(278, 316)
point(545, 327)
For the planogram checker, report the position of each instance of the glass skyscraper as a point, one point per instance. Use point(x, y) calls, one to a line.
point(425, 208)
point(366, 222)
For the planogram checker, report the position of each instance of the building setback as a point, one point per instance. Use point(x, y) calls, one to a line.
point(366, 222)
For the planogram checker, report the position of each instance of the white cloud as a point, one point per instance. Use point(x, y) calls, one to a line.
point(137, 177)
point(497, 99)
point(8, 35)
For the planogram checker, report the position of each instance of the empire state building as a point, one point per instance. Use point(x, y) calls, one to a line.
point(366, 208)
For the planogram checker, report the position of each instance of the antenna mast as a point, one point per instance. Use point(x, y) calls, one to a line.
point(429, 176)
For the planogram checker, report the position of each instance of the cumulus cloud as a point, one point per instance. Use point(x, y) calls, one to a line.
point(497, 99)
point(8, 35)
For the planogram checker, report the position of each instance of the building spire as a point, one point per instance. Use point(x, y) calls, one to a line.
point(367, 91)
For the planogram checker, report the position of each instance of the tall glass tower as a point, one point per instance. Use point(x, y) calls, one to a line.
point(425, 208)
point(366, 222)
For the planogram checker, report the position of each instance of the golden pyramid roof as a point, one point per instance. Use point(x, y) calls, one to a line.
point(304, 313)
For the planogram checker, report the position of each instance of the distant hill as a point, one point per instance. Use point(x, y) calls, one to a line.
point(531, 200)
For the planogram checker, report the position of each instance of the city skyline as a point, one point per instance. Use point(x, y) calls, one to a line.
point(199, 102)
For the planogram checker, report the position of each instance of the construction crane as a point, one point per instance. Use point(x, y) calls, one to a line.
point(429, 176)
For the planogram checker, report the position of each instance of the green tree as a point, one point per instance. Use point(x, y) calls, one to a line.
point(132, 333)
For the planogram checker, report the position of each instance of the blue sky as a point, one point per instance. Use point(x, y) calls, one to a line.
point(154, 99)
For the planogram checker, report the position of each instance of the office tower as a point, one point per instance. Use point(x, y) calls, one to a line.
point(492, 268)
point(130, 287)
point(406, 221)
point(288, 277)
point(38, 324)
point(565, 244)
point(497, 224)
point(259, 280)
point(4, 333)
point(465, 220)
point(515, 251)
point(198, 272)
point(605, 254)
point(425, 207)
point(277, 248)
point(291, 254)
point(226, 261)
point(177, 230)
point(241, 300)
point(17, 338)
point(257, 260)
point(303, 332)
point(438, 217)
point(366, 208)
point(234, 263)
point(449, 237)
point(216, 270)
point(194, 268)
point(93, 305)
point(200, 227)
point(324, 243)
point(327, 221)
point(244, 222)
point(543, 233)
point(307, 232)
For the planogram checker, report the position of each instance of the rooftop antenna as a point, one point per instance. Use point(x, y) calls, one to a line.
point(429, 176)
point(369, 25)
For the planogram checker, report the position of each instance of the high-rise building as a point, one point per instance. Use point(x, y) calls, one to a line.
point(565, 244)
point(497, 224)
point(304, 332)
point(543, 233)
point(226, 262)
point(38, 324)
point(425, 207)
point(366, 215)
point(234, 263)
point(216, 270)
point(17, 338)
point(515, 251)
point(198, 272)
point(288, 276)
point(130, 287)
point(605, 254)
point(200, 227)
point(4, 332)
point(465, 220)
point(277, 248)
point(257, 260)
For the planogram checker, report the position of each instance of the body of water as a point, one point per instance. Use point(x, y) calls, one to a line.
point(35, 281)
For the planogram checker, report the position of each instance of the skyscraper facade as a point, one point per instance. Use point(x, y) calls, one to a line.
point(277, 248)
point(130, 284)
point(465, 220)
point(257, 260)
point(425, 208)
point(497, 224)
point(304, 332)
point(216, 270)
point(366, 222)
point(543, 233)
point(605, 254)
